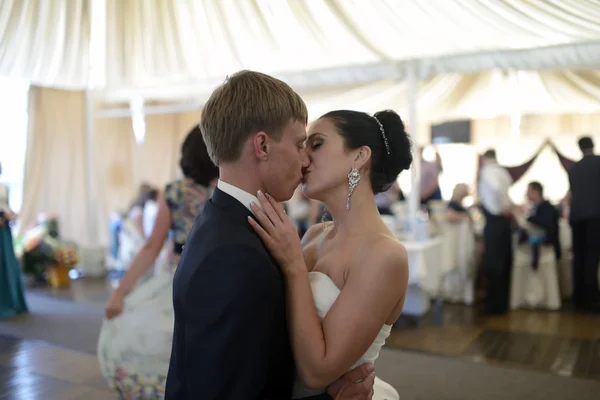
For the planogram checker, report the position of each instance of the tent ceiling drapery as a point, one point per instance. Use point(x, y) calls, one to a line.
point(45, 42)
point(473, 96)
point(310, 43)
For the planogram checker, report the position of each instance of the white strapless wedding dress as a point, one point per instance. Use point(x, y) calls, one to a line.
point(325, 292)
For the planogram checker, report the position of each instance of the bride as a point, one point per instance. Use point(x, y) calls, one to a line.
point(347, 280)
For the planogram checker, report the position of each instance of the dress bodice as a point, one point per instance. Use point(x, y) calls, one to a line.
point(185, 201)
point(325, 292)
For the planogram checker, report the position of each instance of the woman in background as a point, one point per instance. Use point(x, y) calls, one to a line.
point(385, 200)
point(12, 294)
point(137, 208)
point(456, 210)
point(150, 212)
point(127, 229)
point(135, 341)
point(131, 231)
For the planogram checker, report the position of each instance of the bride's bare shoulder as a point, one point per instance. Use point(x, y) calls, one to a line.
point(386, 253)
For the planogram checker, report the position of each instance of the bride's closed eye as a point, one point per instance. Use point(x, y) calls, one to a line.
point(314, 143)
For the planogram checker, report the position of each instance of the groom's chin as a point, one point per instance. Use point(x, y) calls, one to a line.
point(281, 196)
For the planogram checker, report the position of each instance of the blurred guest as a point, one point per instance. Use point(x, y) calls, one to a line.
point(12, 297)
point(584, 217)
point(150, 212)
point(130, 230)
point(494, 183)
point(540, 222)
point(430, 171)
point(136, 210)
point(299, 210)
point(385, 199)
point(456, 210)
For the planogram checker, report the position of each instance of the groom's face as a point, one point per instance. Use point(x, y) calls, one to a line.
point(282, 172)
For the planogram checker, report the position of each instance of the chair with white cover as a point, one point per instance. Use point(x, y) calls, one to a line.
point(534, 289)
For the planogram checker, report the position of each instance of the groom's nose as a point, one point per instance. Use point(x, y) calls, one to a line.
point(305, 159)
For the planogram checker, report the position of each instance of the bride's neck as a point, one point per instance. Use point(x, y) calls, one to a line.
point(362, 214)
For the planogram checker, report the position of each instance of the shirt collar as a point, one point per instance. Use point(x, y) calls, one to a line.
point(240, 195)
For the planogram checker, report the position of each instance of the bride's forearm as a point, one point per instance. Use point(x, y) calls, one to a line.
point(306, 330)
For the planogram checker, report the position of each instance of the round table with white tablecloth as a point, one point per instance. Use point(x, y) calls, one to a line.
point(426, 269)
point(459, 256)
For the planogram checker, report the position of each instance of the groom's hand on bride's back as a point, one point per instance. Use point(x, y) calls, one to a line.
point(356, 384)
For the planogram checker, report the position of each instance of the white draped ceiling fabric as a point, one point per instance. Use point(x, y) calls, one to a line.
point(190, 46)
point(183, 48)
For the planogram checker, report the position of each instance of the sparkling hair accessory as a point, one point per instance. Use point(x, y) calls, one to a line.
point(385, 140)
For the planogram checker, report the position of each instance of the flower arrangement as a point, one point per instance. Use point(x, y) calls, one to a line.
point(42, 251)
point(66, 255)
point(36, 253)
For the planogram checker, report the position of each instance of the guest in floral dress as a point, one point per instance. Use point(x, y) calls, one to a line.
point(134, 347)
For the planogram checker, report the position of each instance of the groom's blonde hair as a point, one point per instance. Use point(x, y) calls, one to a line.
point(246, 103)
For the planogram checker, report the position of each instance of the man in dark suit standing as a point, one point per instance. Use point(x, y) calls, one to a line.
point(584, 217)
point(231, 340)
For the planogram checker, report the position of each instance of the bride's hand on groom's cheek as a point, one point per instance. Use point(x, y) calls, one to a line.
point(278, 233)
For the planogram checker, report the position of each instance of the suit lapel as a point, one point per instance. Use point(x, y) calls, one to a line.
point(230, 205)
point(232, 208)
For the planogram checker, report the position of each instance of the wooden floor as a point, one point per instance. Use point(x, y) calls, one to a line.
point(31, 370)
point(563, 343)
point(554, 343)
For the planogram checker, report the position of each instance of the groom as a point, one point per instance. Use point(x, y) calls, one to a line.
point(231, 339)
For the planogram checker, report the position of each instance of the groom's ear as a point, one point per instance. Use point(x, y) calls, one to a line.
point(261, 145)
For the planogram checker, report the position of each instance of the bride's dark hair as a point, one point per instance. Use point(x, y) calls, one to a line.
point(195, 162)
point(361, 129)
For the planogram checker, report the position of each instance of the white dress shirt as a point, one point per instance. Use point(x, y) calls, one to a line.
point(240, 195)
point(493, 188)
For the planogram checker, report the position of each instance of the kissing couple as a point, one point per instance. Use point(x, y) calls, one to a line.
point(260, 314)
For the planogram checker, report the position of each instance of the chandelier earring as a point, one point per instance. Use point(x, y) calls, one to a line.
point(353, 179)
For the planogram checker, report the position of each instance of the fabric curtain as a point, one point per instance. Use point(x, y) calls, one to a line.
point(564, 161)
point(122, 164)
point(55, 168)
point(516, 172)
point(55, 179)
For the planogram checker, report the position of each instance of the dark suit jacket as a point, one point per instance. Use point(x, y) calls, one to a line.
point(547, 217)
point(584, 178)
point(231, 339)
